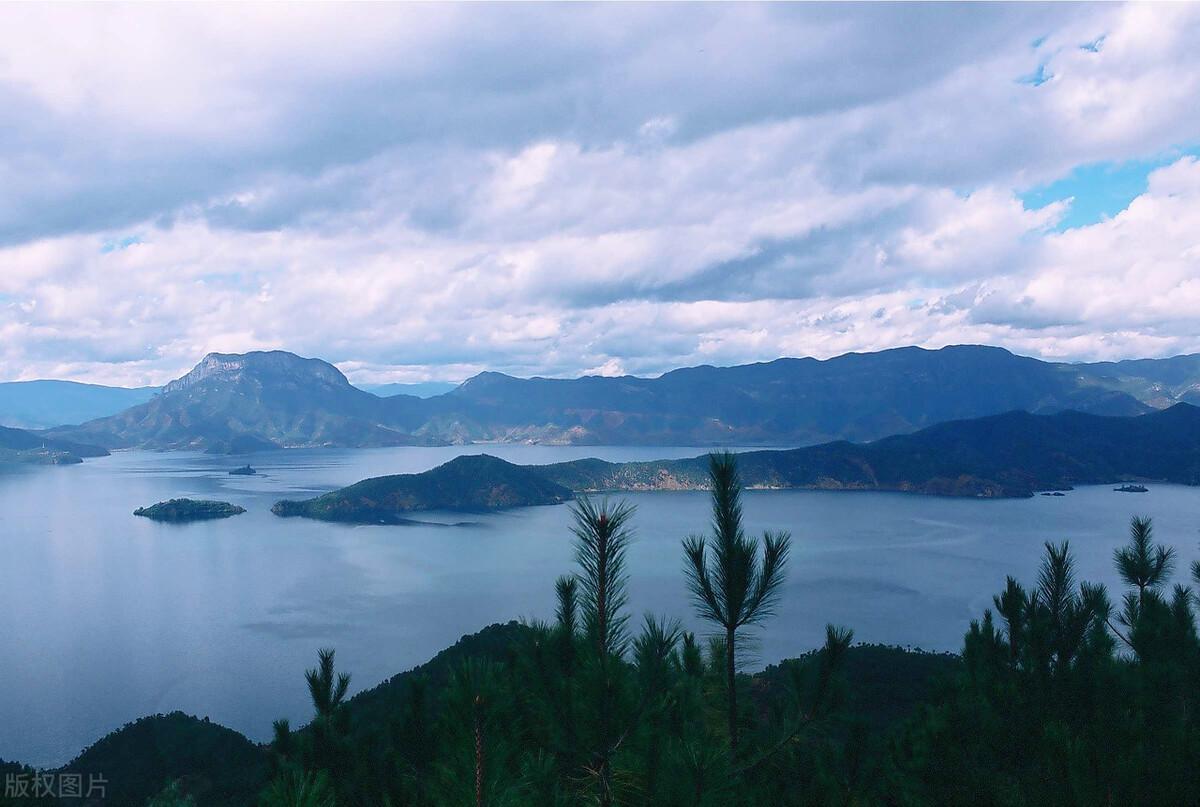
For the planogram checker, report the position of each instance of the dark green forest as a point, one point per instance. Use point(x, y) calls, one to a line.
point(1064, 693)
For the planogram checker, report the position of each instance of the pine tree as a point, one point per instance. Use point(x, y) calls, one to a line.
point(734, 587)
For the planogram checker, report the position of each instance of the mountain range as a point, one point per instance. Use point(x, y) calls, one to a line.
point(787, 401)
point(253, 401)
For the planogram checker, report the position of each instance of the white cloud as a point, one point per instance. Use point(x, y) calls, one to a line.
point(423, 192)
point(610, 369)
point(1138, 272)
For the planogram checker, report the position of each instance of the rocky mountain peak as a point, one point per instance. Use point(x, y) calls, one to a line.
point(231, 367)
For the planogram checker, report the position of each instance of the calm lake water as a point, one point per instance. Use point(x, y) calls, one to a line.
point(105, 617)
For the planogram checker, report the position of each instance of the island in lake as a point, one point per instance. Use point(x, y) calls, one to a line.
point(181, 510)
point(472, 483)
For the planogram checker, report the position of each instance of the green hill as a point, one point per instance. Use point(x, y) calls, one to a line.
point(217, 765)
point(470, 483)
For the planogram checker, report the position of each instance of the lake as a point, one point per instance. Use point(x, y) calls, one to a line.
point(106, 617)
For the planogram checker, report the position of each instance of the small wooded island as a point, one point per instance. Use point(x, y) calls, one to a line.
point(182, 510)
point(469, 483)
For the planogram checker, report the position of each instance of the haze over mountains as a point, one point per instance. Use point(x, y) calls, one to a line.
point(420, 389)
point(42, 404)
point(21, 446)
point(276, 399)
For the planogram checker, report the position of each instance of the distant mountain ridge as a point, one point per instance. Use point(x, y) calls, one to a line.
point(43, 404)
point(1157, 382)
point(419, 389)
point(253, 401)
point(857, 396)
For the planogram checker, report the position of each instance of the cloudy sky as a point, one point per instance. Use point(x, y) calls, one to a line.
point(420, 193)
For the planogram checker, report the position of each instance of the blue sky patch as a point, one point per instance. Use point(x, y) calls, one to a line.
point(116, 244)
point(1037, 78)
point(1100, 190)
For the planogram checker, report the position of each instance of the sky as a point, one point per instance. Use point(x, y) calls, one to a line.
point(420, 193)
